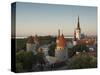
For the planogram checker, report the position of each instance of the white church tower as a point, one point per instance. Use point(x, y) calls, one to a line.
point(61, 48)
point(74, 39)
point(78, 30)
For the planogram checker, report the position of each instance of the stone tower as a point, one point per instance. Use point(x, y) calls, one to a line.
point(61, 47)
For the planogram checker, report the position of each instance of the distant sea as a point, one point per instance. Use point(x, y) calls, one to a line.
point(26, 37)
point(20, 37)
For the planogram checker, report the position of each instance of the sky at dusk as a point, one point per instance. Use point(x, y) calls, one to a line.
point(46, 19)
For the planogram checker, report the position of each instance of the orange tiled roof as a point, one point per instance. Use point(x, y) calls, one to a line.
point(60, 41)
point(30, 39)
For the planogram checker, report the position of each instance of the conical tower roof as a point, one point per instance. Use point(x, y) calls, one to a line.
point(60, 41)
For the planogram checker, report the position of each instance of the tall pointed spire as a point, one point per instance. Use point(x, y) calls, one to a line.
point(78, 30)
point(58, 32)
point(78, 24)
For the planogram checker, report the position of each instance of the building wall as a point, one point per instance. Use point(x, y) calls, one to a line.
point(61, 54)
point(78, 34)
point(31, 47)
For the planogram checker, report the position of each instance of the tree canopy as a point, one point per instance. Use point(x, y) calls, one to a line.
point(25, 61)
point(83, 61)
point(51, 50)
point(80, 48)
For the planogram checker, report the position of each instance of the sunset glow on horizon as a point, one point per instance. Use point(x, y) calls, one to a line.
point(46, 19)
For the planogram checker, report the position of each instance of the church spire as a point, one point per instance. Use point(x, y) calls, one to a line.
point(78, 24)
point(78, 30)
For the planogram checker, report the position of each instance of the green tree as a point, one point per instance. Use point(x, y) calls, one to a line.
point(27, 60)
point(80, 48)
point(71, 52)
point(41, 60)
point(83, 61)
point(51, 50)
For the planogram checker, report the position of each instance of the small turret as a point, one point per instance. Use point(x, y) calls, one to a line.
point(58, 32)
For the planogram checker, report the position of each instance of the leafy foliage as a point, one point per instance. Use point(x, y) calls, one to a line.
point(40, 58)
point(77, 48)
point(80, 48)
point(71, 52)
point(83, 61)
point(27, 60)
point(51, 50)
point(20, 44)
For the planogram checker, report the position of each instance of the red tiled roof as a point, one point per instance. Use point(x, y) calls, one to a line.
point(30, 39)
point(61, 41)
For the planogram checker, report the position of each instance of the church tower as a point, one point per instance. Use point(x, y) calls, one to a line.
point(61, 48)
point(78, 30)
point(74, 39)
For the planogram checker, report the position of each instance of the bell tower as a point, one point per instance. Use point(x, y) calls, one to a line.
point(78, 30)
